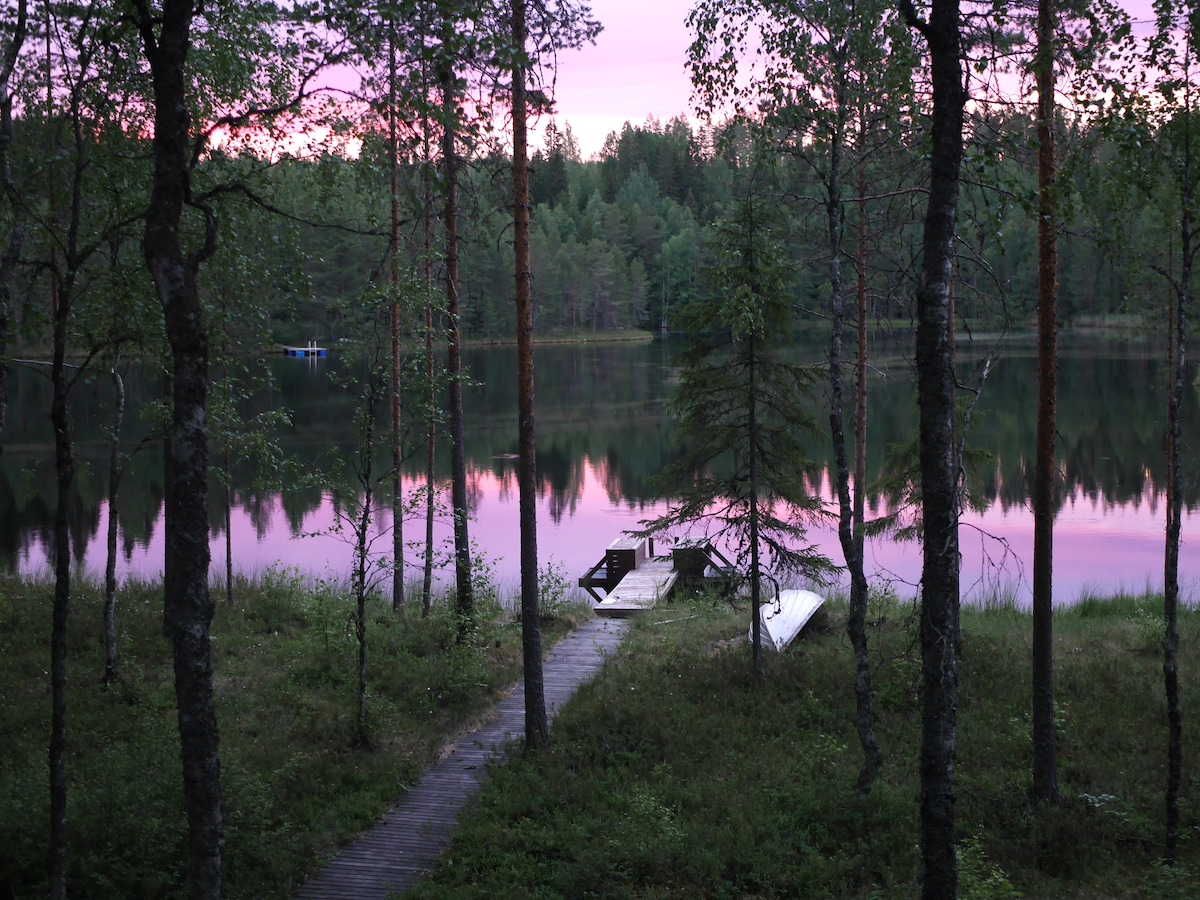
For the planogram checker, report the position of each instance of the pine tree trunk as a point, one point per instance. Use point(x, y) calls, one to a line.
point(5, 299)
point(430, 458)
point(536, 724)
point(64, 467)
point(360, 596)
point(1171, 582)
point(1045, 766)
point(228, 528)
point(851, 544)
point(755, 556)
point(110, 566)
point(394, 283)
point(859, 594)
point(458, 460)
point(12, 248)
point(938, 456)
point(431, 387)
point(851, 548)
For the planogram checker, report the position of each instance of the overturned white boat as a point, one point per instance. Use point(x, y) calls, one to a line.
point(785, 617)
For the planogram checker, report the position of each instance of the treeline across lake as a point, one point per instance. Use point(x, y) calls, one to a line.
point(619, 241)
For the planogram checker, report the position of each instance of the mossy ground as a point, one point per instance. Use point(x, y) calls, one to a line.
point(297, 780)
point(676, 775)
point(673, 774)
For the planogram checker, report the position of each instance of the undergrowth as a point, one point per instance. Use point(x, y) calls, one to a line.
point(296, 781)
point(675, 774)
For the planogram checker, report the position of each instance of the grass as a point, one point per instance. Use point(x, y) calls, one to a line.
point(297, 784)
point(675, 775)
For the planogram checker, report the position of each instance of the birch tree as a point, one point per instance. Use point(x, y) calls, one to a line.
point(939, 466)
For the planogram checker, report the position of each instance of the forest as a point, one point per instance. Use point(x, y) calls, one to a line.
point(189, 185)
point(619, 242)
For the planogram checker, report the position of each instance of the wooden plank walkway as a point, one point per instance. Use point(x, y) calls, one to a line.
point(640, 589)
point(401, 848)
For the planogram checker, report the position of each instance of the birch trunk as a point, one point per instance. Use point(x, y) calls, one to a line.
point(938, 453)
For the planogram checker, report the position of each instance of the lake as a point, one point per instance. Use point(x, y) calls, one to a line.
point(602, 434)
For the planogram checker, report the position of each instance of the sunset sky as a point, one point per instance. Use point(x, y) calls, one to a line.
point(636, 69)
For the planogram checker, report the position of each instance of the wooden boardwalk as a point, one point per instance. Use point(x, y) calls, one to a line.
point(640, 589)
point(394, 854)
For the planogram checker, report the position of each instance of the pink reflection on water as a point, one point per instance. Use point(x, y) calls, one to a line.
point(1100, 547)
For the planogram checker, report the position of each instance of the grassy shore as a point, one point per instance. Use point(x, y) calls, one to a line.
point(297, 783)
point(674, 775)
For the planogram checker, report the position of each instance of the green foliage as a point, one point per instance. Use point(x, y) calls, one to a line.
point(296, 784)
point(979, 879)
point(741, 407)
point(671, 776)
point(560, 600)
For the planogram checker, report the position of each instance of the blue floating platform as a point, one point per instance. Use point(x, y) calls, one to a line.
point(305, 352)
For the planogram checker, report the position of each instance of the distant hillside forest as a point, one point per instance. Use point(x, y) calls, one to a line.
point(620, 241)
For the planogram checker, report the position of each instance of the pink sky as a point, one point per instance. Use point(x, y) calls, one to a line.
point(636, 69)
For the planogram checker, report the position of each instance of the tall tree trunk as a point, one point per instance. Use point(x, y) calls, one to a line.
point(864, 692)
point(847, 527)
point(165, 34)
point(64, 467)
point(1177, 366)
point(431, 397)
point(938, 454)
point(228, 486)
point(860, 376)
point(16, 236)
point(537, 729)
point(1045, 766)
point(7, 262)
point(458, 460)
point(110, 565)
point(394, 284)
point(361, 546)
point(431, 387)
point(228, 490)
point(755, 555)
point(1176, 376)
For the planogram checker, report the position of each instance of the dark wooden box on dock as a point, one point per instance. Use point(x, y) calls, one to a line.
point(623, 556)
point(698, 562)
point(691, 558)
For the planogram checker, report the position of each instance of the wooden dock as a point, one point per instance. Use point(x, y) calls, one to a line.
point(396, 852)
point(634, 579)
point(640, 589)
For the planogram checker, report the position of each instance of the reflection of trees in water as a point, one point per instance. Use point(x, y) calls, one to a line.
point(259, 507)
point(1110, 427)
point(601, 417)
point(27, 514)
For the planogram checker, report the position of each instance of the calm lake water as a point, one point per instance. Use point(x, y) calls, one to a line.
point(602, 435)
